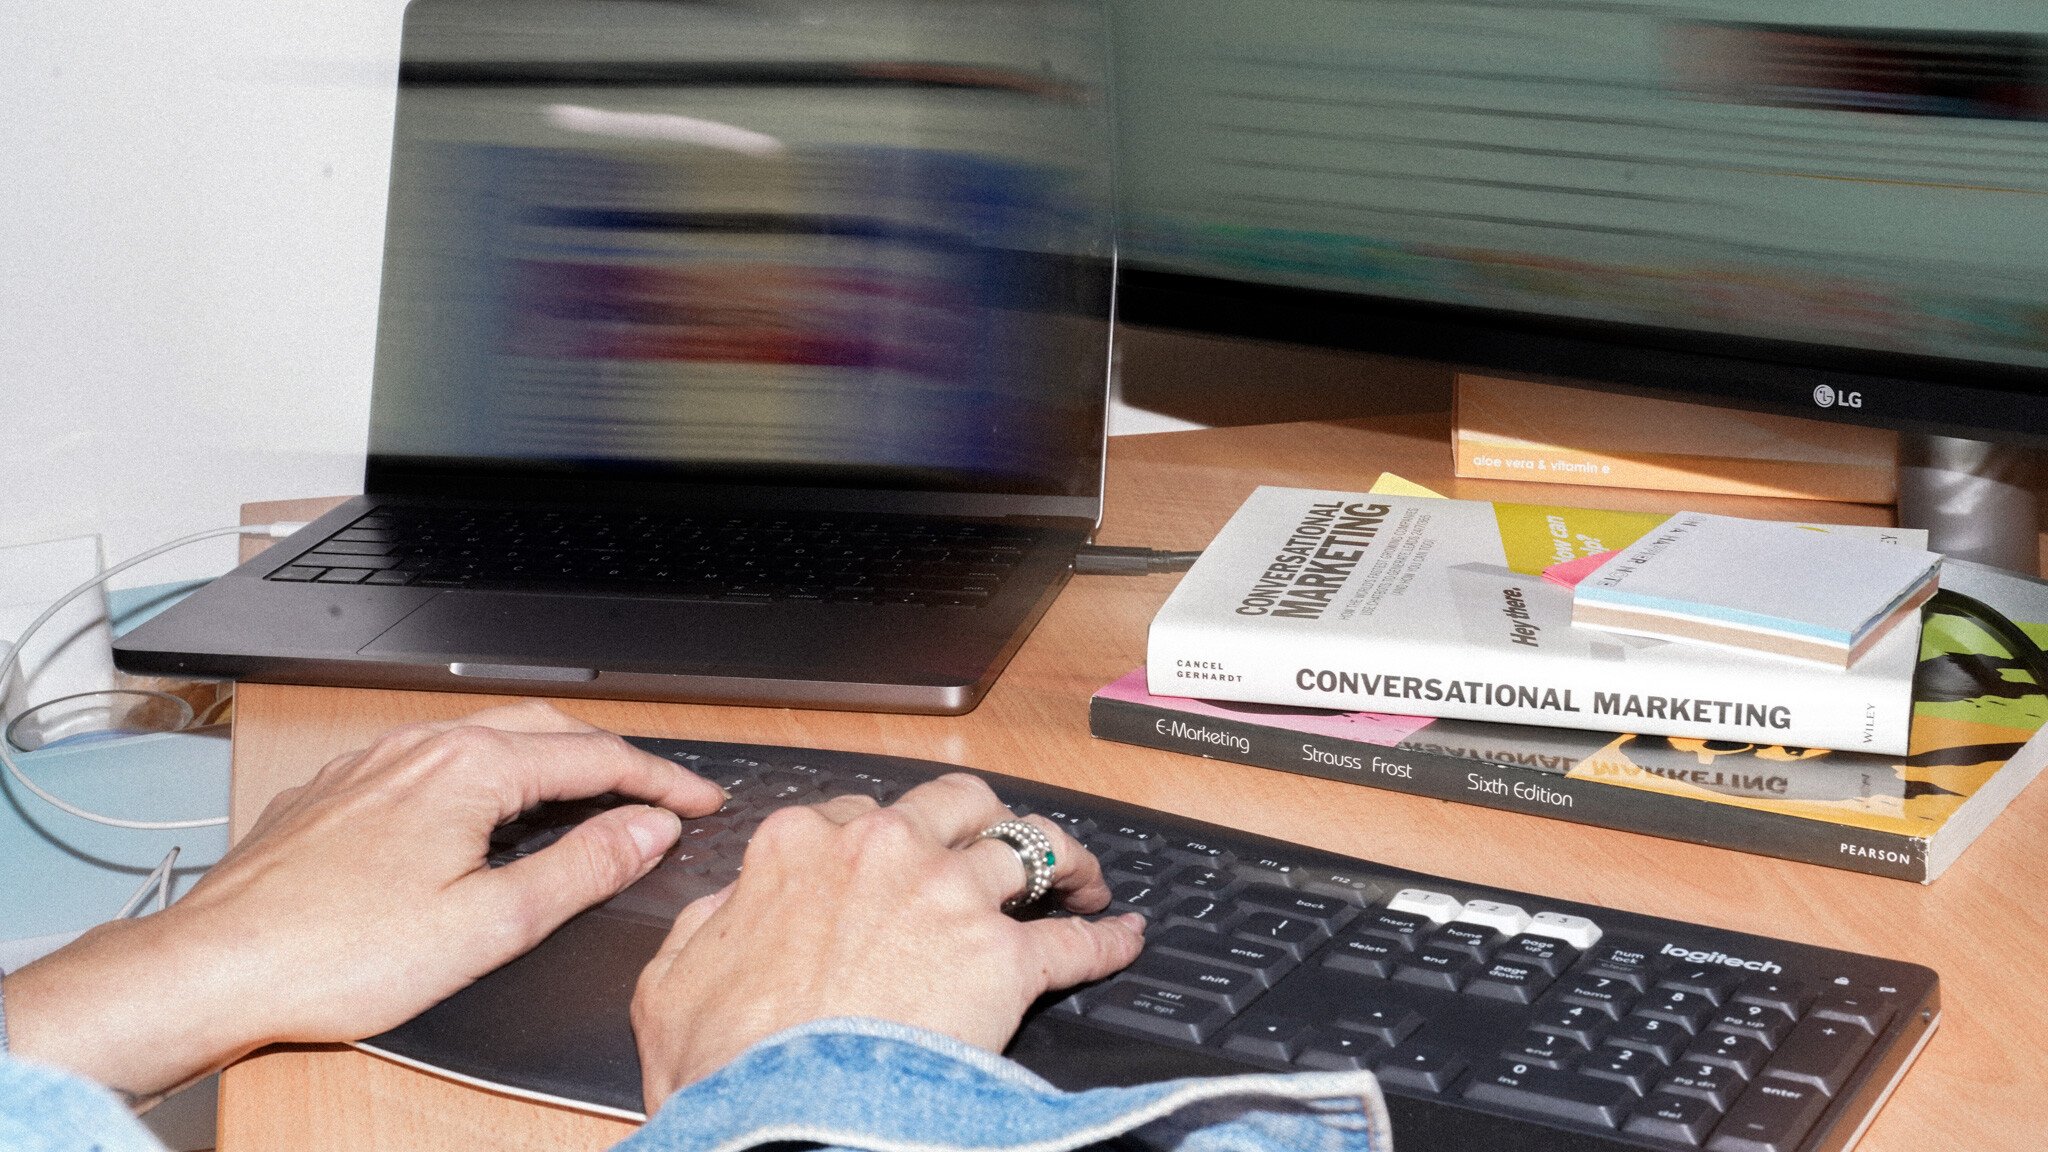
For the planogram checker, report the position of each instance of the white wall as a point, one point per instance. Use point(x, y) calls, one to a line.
point(194, 200)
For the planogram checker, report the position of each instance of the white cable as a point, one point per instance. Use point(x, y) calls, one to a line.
point(159, 878)
point(8, 666)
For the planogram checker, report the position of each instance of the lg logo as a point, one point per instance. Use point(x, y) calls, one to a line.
point(1827, 397)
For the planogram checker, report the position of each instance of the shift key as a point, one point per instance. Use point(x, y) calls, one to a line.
point(1160, 1010)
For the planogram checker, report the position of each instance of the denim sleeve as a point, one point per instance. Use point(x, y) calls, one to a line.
point(45, 1109)
point(873, 1086)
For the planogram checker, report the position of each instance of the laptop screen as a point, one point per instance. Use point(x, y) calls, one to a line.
point(825, 245)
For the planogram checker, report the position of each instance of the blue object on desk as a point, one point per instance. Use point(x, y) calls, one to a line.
point(65, 874)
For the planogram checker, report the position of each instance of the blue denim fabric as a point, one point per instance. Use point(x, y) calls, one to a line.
point(46, 1110)
point(881, 1087)
point(860, 1084)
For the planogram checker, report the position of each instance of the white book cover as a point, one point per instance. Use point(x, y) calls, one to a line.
point(1437, 607)
point(1761, 575)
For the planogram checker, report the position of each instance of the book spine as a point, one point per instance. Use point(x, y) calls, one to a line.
point(1812, 707)
point(1511, 788)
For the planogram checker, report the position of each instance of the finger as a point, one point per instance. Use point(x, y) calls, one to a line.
point(846, 809)
point(953, 809)
point(595, 861)
point(537, 766)
point(1076, 874)
point(1071, 951)
point(693, 917)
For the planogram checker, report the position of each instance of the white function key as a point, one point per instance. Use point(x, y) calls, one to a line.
point(1435, 906)
point(1576, 931)
point(1505, 919)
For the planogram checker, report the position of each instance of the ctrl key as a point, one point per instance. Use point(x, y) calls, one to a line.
point(1158, 1010)
point(1772, 1116)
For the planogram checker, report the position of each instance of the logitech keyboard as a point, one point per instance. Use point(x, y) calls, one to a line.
point(1493, 1018)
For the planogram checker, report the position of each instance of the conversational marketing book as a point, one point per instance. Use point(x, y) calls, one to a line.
point(1433, 607)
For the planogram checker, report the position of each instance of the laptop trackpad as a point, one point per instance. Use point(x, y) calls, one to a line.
point(620, 634)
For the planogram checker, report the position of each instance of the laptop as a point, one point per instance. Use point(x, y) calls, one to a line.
point(725, 353)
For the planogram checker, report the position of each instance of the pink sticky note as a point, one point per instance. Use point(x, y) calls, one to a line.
point(1568, 573)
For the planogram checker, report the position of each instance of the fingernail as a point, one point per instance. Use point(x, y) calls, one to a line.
point(653, 830)
point(1135, 921)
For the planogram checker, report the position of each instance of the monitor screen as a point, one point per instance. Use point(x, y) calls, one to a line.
point(821, 245)
point(1799, 204)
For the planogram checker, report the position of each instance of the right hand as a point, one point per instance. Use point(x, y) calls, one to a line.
point(851, 909)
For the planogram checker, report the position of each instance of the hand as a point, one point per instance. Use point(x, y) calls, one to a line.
point(850, 909)
point(356, 901)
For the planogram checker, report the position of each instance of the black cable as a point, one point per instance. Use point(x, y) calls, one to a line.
point(1104, 560)
point(2017, 643)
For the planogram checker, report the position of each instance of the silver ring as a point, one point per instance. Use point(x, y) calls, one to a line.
point(1034, 851)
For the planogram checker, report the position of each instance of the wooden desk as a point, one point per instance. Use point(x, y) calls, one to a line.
point(1984, 926)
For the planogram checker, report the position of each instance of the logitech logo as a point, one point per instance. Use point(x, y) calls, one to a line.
point(1687, 954)
point(1826, 397)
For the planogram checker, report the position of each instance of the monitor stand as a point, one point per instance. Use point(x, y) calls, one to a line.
point(1972, 498)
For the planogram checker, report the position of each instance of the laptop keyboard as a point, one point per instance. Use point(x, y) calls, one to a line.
point(1493, 1018)
point(875, 559)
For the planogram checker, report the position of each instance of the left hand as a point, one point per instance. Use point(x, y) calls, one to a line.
point(356, 902)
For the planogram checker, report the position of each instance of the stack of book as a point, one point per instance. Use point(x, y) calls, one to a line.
point(1411, 644)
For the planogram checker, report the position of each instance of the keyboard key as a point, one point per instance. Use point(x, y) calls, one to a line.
point(1365, 955)
point(1335, 1050)
point(1710, 1082)
point(1772, 1116)
point(343, 576)
point(1867, 1013)
point(1145, 867)
point(1515, 981)
point(297, 572)
point(1600, 989)
point(1767, 1024)
point(1437, 968)
point(1167, 1012)
point(1328, 911)
point(1473, 940)
point(1744, 1054)
point(1618, 956)
point(1419, 1068)
point(1574, 1021)
point(1343, 885)
point(1137, 896)
point(1544, 1048)
point(1631, 1067)
point(1716, 985)
point(1404, 928)
point(1267, 1038)
point(1505, 919)
point(1200, 912)
point(1523, 1087)
point(1576, 931)
point(1206, 881)
point(1200, 852)
point(1551, 955)
point(1688, 1010)
point(1268, 869)
point(392, 576)
point(1784, 995)
point(1129, 838)
point(1234, 988)
point(339, 546)
point(1384, 1019)
point(1266, 962)
point(1679, 1119)
point(1434, 906)
point(1820, 1052)
point(1293, 933)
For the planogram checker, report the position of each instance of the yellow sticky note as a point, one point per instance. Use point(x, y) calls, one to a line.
point(1391, 485)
